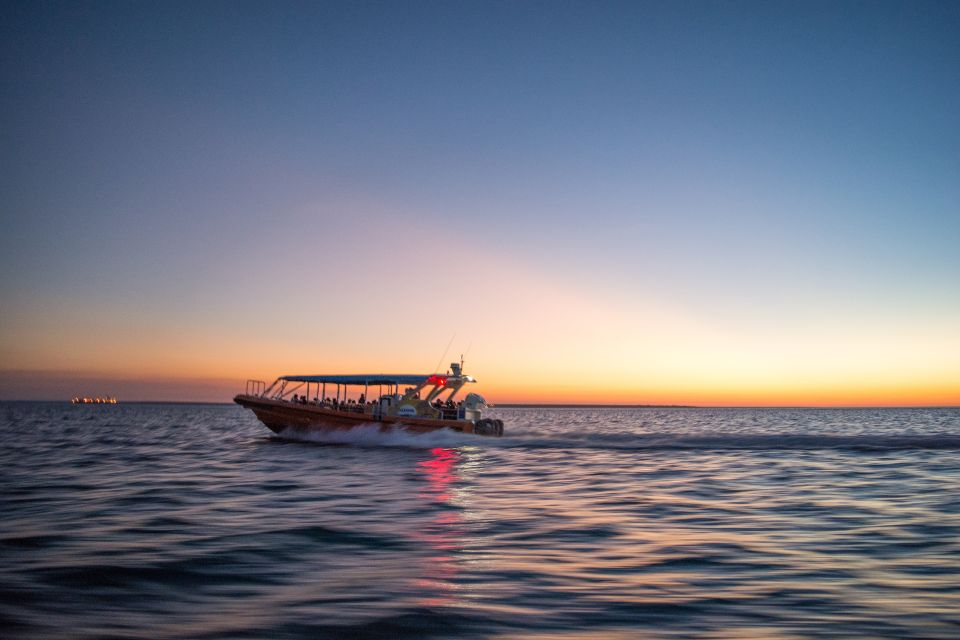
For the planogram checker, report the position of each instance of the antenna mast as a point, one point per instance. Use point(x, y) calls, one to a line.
point(437, 368)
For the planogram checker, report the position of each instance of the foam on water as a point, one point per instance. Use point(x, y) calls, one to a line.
point(376, 435)
point(733, 442)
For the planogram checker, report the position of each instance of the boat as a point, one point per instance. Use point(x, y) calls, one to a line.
point(427, 403)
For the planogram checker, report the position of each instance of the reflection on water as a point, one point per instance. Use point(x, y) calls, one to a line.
point(440, 472)
point(179, 521)
point(443, 536)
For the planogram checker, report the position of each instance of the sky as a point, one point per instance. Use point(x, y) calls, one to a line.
point(713, 203)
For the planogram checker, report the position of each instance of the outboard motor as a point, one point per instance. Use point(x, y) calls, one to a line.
point(473, 406)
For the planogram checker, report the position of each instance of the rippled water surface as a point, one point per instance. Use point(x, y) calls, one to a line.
point(178, 521)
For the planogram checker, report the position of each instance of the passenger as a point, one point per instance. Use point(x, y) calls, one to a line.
point(363, 399)
point(303, 399)
point(294, 398)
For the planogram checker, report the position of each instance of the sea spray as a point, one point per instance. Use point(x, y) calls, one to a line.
point(376, 435)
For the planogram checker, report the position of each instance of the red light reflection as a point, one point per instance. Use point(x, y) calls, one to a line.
point(441, 473)
point(444, 533)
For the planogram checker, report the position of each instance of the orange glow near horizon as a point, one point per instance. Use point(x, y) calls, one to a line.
point(547, 390)
point(528, 337)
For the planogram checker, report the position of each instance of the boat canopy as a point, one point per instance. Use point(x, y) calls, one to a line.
point(363, 379)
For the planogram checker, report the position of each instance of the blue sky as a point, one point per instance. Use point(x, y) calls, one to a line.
point(760, 165)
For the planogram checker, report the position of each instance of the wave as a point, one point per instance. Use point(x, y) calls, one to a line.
point(374, 435)
point(742, 441)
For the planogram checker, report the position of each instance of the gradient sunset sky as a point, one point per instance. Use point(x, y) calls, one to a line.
point(721, 203)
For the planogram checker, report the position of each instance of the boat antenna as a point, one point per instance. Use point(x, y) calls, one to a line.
point(437, 368)
point(463, 355)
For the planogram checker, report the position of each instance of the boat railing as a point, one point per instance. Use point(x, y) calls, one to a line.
point(255, 387)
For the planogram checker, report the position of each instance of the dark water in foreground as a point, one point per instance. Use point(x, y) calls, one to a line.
point(171, 521)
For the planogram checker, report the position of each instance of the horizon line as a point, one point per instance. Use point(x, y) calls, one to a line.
point(548, 405)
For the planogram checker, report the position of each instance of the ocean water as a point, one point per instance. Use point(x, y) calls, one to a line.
point(192, 521)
